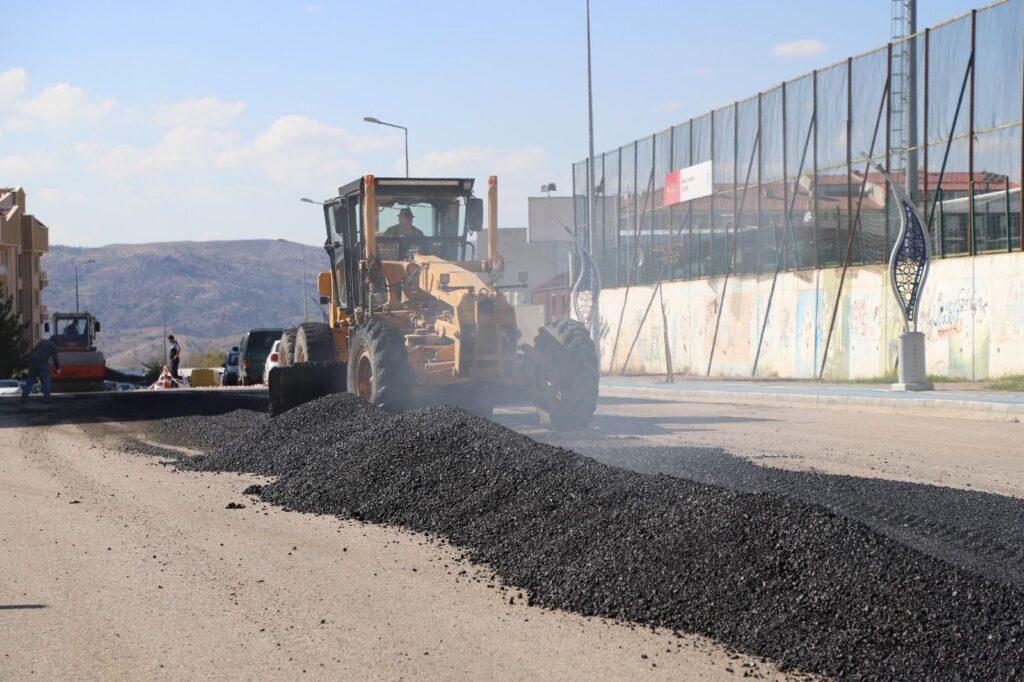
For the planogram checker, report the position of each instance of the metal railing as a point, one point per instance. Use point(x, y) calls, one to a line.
point(806, 142)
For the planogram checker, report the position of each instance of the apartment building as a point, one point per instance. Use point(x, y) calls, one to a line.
point(23, 241)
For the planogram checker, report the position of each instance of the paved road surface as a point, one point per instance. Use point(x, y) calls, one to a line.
point(951, 487)
point(116, 566)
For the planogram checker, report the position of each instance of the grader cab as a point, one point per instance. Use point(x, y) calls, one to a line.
point(416, 316)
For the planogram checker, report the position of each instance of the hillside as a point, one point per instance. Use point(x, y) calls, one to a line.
point(225, 288)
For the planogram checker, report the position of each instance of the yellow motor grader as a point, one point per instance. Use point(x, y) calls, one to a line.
point(416, 317)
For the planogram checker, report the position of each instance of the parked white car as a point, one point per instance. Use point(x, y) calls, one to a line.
point(9, 387)
point(273, 360)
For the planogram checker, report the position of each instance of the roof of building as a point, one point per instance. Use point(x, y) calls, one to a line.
point(559, 281)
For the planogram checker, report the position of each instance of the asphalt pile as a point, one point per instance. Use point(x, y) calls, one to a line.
point(765, 574)
point(979, 531)
point(207, 432)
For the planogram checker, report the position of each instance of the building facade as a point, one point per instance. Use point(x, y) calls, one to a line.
point(23, 241)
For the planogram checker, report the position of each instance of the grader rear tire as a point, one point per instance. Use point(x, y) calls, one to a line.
point(314, 342)
point(287, 348)
point(566, 376)
point(378, 368)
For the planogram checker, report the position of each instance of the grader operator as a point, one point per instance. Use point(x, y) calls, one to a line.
point(416, 316)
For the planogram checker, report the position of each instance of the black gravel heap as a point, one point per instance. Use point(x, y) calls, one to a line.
point(207, 432)
point(780, 578)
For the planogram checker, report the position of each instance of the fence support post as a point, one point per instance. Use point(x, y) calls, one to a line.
point(814, 163)
point(785, 183)
point(971, 230)
point(924, 145)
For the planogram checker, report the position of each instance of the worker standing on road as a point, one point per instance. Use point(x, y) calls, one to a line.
point(39, 368)
point(175, 355)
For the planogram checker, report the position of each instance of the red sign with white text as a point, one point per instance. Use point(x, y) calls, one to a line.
point(688, 184)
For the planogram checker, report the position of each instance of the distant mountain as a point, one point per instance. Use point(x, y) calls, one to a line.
point(225, 289)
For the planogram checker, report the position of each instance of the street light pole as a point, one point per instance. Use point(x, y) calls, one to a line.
point(302, 254)
point(371, 119)
point(594, 312)
point(305, 315)
point(77, 264)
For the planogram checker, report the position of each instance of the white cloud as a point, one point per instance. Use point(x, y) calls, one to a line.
point(180, 148)
point(65, 104)
point(293, 149)
point(208, 112)
point(807, 47)
point(55, 195)
point(191, 146)
point(704, 70)
point(667, 107)
point(14, 169)
point(456, 162)
point(12, 85)
point(298, 148)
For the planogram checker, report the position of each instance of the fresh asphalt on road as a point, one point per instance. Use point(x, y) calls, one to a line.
point(116, 566)
point(950, 487)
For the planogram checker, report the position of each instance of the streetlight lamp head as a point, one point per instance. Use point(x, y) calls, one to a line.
point(370, 119)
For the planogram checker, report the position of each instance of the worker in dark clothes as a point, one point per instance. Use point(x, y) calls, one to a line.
point(39, 368)
point(404, 226)
point(175, 355)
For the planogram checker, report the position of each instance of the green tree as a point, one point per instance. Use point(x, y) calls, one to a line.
point(152, 368)
point(206, 358)
point(13, 346)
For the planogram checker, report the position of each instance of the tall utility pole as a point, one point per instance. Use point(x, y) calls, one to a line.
point(305, 314)
point(594, 312)
point(904, 95)
point(302, 253)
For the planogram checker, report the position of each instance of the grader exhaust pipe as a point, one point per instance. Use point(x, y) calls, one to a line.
point(492, 222)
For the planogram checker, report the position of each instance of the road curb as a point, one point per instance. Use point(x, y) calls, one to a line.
point(965, 409)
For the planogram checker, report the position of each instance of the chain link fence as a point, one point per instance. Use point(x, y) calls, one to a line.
point(794, 178)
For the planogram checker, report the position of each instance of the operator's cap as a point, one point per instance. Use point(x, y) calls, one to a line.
point(406, 211)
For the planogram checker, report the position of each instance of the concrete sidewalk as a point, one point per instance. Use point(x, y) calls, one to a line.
point(952, 399)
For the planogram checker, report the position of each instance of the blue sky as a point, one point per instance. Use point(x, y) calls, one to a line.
point(145, 121)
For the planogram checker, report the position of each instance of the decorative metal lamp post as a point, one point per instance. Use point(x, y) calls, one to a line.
point(908, 270)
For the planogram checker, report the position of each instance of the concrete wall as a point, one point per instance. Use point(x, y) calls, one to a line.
point(972, 315)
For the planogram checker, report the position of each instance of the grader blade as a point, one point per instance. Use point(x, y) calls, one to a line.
point(301, 383)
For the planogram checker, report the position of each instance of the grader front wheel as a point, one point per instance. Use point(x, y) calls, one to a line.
point(378, 368)
point(287, 348)
point(314, 342)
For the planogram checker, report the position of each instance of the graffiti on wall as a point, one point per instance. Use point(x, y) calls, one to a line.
point(864, 317)
point(973, 317)
point(808, 333)
point(951, 313)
